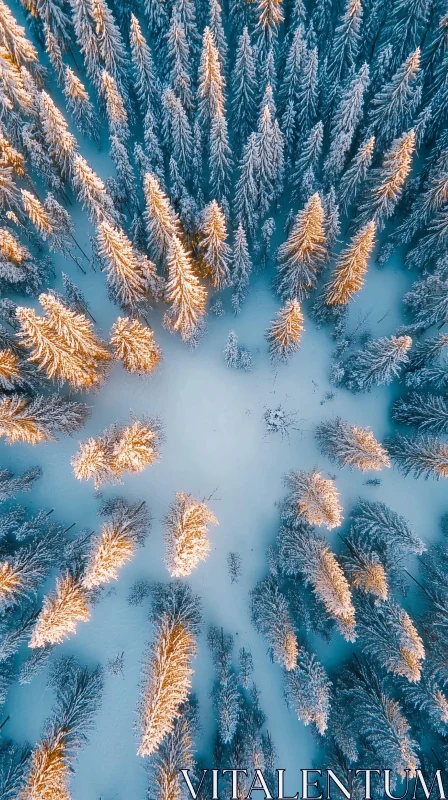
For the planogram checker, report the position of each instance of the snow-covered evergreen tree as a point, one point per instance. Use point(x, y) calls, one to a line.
point(240, 269)
point(215, 250)
point(419, 455)
point(244, 89)
point(302, 256)
point(272, 617)
point(377, 363)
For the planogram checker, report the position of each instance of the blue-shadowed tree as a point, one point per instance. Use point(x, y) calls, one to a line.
point(244, 89)
point(240, 269)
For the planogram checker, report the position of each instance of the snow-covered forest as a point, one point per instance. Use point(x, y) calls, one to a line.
point(223, 392)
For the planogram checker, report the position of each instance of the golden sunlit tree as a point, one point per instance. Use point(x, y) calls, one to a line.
point(301, 257)
point(9, 582)
point(351, 266)
point(63, 344)
point(131, 276)
point(315, 498)
point(184, 292)
point(162, 224)
point(211, 81)
point(37, 419)
point(351, 446)
point(134, 345)
point(49, 770)
point(186, 534)
point(285, 331)
point(61, 611)
point(116, 451)
point(215, 250)
point(37, 213)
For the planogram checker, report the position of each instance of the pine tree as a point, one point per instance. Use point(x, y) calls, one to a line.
point(117, 116)
point(62, 144)
point(388, 634)
point(427, 412)
point(385, 184)
point(131, 276)
point(419, 455)
point(345, 48)
point(184, 292)
point(351, 266)
point(63, 343)
point(220, 158)
point(134, 345)
point(307, 94)
point(211, 82)
point(404, 28)
point(289, 90)
point(350, 446)
point(111, 46)
point(61, 612)
point(174, 754)
point(315, 498)
point(427, 352)
point(305, 172)
point(344, 124)
point(240, 269)
point(246, 189)
point(303, 552)
point(356, 173)
point(266, 162)
point(232, 351)
point(145, 80)
point(301, 257)
point(179, 59)
point(285, 331)
point(10, 484)
point(217, 30)
point(225, 694)
point(270, 17)
point(244, 89)
point(162, 224)
point(79, 105)
point(116, 544)
point(118, 450)
point(39, 419)
point(179, 137)
point(388, 532)
point(377, 363)
point(308, 691)
point(186, 537)
point(91, 192)
point(272, 618)
point(393, 106)
point(13, 39)
point(215, 250)
point(167, 676)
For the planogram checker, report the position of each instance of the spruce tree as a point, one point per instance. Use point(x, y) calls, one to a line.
point(244, 89)
point(246, 189)
point(377, 363)
point(215, 250)
point(345, 48)
point(240, 269)
point(426, 412)
point(392, 108)
point(354, 176)
point(302, 256)
point(344, 124)
point(351, 266)
point(145, 80)
point(285, 332)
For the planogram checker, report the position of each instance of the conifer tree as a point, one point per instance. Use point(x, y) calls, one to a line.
point(356, 173)
point(39, 419)
point(178, 134)
point(315, 498)
point(145, 80)
point(80, 105)
point(179, 58)
point(61, 611)
point(393, 106)
point(270, 16)
point(308, 691)
point(345, 48)
point(377, 363)
point(427, 412)
point(215, 250)
point(217, 29)
point(305, 172)
point(266, 175)
point(285, 331)
point(244, 88)
point(10, 484)
point(344, 124)
point(351, 266)
point(220, 158)
point(131, 276)
point(186, 537)
point(289, 90)
point(225, 694)
point(240, 270)
point(385, 184)
point(167, 676)
point(174, 754)
point(111, 46)
point(307, 94)
point(184, 292)
point(211, 82)
point(116, 543)
point(302, 551)
point(134, 345)
point(272, 617)
point(117, 116)
point(63, 343)
point(388, 634)
point(246, 189)
point(419, 455)
point(162, 224)
point(388, 532)
point(118, 450)
point(350, 446)
point(91, 192)
point(302, 256)
point(427, 352)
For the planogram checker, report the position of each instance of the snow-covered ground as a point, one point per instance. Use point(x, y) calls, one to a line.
point(216, 447)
